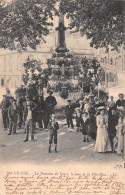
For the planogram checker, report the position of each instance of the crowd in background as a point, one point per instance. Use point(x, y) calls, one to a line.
point(100, 119)
point(97, 118)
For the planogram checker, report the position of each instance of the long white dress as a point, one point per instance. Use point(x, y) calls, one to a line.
point(102, 139)
point(120, 137)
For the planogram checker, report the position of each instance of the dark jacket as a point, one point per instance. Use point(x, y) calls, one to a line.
point(25, 110)
point(41, 105)
point(112, 123)
point(69, 110)
point(50, 103)
point(12, 113)
point(4, 105)
point(120, 103)
point(53, 128)
point(50, 100)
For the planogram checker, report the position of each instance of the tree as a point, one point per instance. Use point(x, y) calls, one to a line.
point(35, 78)
point(24, 23)
point(101, 21)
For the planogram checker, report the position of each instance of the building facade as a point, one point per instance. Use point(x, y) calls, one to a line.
point(11, 62)
point(112, 62)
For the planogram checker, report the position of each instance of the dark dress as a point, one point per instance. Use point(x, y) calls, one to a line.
point(93, 126)
point(78, 121)
point(112, 123)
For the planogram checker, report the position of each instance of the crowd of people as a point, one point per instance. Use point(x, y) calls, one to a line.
point(100, 119)
point(26, 112)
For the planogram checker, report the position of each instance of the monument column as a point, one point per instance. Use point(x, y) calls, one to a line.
point(61, 45)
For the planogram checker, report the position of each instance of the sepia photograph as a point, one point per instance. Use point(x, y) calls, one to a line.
point(62, 97)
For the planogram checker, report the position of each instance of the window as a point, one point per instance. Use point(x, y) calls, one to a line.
point(19, 62)
point(10, 63)
point(5, 64)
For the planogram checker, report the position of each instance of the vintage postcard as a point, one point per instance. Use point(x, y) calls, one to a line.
point(62, 97)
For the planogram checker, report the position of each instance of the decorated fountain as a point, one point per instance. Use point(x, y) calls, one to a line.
point(64, 67)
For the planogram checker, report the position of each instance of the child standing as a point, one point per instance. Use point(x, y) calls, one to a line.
point(53, 127)
point(78, 119)
point(85, 123)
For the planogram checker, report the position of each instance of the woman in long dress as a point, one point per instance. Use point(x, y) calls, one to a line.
point(119, 136)
point(102, 140)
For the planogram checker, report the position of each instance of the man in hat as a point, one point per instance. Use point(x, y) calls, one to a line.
point(120, 101)
point(50, 103)
point(112, 123)
point(69, 114)
point(12, 115)
point(25, 108)
point(20, 114)
point(4, 107)
point(29, 122)
point(8, 94)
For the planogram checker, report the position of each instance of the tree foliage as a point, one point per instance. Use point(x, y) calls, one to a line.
point(24, 23)
point(35, 76)
point(102, 21)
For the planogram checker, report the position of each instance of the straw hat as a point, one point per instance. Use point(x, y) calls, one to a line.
point(77, 109)
point(121, 108)
point(102, 108)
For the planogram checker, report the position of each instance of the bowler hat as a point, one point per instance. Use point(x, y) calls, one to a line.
point(120, 94)
point(50, 91)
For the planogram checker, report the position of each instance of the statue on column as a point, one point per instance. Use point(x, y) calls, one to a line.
point(61, 46)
